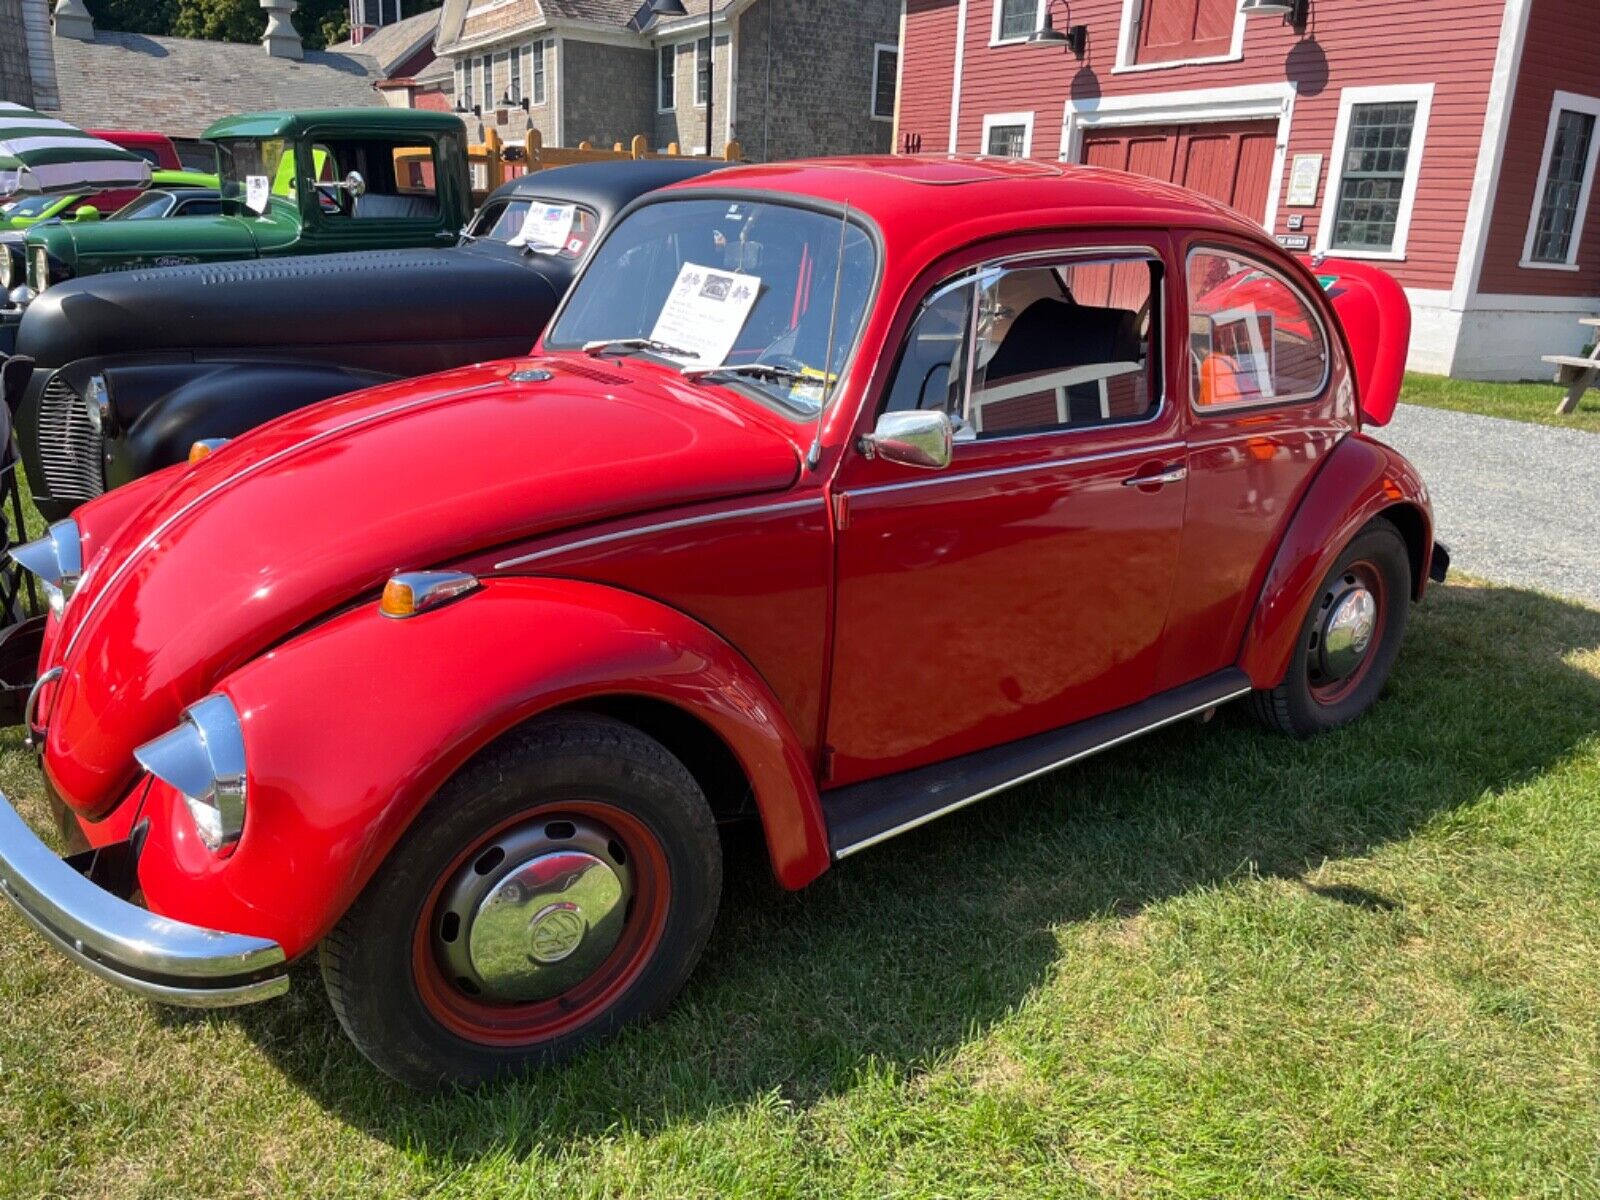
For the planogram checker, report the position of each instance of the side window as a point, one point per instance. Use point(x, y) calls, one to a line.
point(1064, 346)
point(399, 176)
point(203, 207)
point(1253, 337)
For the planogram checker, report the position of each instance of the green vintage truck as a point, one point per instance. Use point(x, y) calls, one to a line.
point(310, 182)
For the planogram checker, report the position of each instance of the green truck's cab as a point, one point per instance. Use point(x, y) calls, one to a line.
point(310, 182)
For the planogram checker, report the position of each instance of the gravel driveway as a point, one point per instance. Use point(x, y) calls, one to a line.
point(1516, 503)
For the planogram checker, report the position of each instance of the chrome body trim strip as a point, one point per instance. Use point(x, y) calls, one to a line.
point(952, 475)
point(137, 950)
point(660, 527)
point(963, 802)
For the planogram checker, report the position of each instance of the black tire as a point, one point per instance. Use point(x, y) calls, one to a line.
point(1300, 706)
point(373, 963)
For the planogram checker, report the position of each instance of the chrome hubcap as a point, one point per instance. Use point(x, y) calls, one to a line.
point(535, 913)
point(1347, 632)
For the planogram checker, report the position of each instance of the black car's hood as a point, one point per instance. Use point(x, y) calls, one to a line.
point(370, 297)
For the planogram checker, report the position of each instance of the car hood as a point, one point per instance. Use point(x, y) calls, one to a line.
point(93, 246)
point(314, 511)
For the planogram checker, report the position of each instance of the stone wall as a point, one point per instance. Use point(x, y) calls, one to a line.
point(16, 83)
point(805, 77)
point(608, 92)
point(685, 122)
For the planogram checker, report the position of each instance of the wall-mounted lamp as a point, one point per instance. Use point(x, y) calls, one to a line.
point(507, 102)
point(462, 110)
point(1076, 37)
point(1293, 12)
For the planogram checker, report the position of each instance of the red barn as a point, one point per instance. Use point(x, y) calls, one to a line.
point(1455, 142)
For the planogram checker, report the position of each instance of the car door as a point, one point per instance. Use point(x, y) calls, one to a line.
point(1024, 586)
point(1265, 407)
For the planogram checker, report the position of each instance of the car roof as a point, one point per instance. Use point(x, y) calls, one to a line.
point(285, 123)
point(916, 197)
point(607, 186)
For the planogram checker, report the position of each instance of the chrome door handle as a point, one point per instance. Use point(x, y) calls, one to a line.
point(1171, 475)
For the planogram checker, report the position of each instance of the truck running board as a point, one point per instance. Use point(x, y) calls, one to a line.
point(864, 814)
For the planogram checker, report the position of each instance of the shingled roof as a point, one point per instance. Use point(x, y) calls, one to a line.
point(392, 44)
point(181, 85)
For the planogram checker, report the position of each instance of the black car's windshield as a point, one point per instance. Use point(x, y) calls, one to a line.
point(744, 285)
point(542, 226)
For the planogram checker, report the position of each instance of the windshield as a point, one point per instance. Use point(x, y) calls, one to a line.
point(149, 206)
point(544, 226)
point(736, 284)
point(33, 206)
point(249, 170)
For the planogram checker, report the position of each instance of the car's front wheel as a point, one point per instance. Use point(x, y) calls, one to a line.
point(560, 886)
point(1349, 640)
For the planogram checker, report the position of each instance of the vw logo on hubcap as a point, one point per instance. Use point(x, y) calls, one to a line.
point(555, 932)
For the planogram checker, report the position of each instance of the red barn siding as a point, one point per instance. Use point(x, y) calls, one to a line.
point(1562, 53)
point(1356, 43)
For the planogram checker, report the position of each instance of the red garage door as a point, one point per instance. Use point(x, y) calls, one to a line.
point(1230, 161)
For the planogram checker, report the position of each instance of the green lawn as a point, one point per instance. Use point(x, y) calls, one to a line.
point(1215, 962)
point(1535, 402)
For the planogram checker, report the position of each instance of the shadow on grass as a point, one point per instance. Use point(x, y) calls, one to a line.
point(903, 954)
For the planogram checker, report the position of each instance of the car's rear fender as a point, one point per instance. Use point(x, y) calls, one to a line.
point(353, 726)
point(1360, 480)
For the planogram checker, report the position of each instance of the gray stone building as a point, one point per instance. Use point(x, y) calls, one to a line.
point(783, 78)
point(27, 71)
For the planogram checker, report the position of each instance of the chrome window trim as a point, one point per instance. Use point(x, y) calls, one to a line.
point(1029, 260)
point(1017, 469)
point(1026, 776)
point(661, 527)
point(1322, 327)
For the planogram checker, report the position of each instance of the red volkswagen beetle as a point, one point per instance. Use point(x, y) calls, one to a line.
point(838, 494)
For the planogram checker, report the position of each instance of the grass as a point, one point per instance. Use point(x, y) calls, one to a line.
point(1216, 962)
point(1531, 402)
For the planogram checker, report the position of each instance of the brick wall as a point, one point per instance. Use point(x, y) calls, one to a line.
point(609, 92)
point(15, 82)
point(805, 77)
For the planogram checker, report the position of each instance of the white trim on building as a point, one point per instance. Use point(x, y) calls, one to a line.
point(1422, 95)
point(1128, 44)
point(1588, 106)
point(955, 86)
point(878, 51)
point(995, 39)
point(992, 121)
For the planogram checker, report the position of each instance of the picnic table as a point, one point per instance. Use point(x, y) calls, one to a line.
point(1577, 372)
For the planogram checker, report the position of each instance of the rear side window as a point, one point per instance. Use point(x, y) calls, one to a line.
point(1253, 336)
point(1051, 347)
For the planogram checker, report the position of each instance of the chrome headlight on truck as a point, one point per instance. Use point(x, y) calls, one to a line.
point(57, 560)
point(41, 269)
point(203, 758)
point(7, 269)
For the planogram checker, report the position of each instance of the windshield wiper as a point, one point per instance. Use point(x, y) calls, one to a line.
point(636, 343)
point(754, 370)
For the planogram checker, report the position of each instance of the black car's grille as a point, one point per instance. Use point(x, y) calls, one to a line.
point(69, 444)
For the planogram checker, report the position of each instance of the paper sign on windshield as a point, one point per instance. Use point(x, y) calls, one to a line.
point(256, 193)
point(546, 226)
point(705, 312)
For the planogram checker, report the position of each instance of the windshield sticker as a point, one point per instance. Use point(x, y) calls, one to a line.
point(546, 227)
point(256, 193)
point(705, 312)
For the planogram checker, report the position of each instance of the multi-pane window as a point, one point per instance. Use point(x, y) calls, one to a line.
point(1006, 141)
point(667, 78)
point(483, 86)
point(516, 69)
point(536, 84)
point(464, 97)
point(885, 69)
point(503, 66)
point(702, 71)
point(1035, 349)
point(1373, 180)
point(1017, 19)
point(1253, 337)
point(1565, 174)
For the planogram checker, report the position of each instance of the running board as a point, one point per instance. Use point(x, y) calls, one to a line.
point(864, 814)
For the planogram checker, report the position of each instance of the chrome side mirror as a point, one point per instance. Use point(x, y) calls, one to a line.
point(355, 185)
point(918, 438)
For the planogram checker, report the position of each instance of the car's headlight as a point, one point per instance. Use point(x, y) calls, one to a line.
point(41, 269)
point(99, 398)
point(203, 758)
point(57, 559)
point(7, 268)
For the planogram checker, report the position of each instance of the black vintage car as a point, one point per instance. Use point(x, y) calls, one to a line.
point(129, 370)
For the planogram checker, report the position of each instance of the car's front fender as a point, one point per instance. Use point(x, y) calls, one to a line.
point(353, 726)
point(1360, 480)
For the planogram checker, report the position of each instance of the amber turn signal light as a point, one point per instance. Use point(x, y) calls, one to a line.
point(413, 592)
point(204, 448)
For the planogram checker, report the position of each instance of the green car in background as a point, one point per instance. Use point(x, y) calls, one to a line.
point(30, 210)
point(311, 182)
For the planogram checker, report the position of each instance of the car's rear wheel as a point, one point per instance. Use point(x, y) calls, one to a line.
point(560, 886)
point(1350, 638)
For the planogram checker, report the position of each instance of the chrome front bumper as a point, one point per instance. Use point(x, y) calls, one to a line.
point(143, 953)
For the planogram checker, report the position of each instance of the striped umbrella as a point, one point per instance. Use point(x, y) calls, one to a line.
point(43, 155)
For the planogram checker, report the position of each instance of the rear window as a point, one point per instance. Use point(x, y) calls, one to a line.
point(1254, 338)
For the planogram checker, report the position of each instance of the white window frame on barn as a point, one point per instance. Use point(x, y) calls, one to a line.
point(993, 121)
point(879, 49)
point(994, 23)
point(1563, 102)
point(538, 72)
point(1420, 94)
point(1128, 44)
point(700, 68)
point(667, 82)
